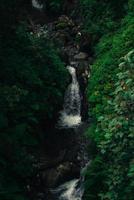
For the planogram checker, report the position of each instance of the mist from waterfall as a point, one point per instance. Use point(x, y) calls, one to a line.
point(70, 115)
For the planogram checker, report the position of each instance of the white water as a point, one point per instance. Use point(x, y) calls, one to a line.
point(70, 190)
point(36, 4)
point(70, 115)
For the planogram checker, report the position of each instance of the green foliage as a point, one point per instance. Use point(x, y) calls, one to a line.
point(101, 17)
point(118, 133)
point(110, 94)
point(32, 83)
point(115, 125)
point(95, 177)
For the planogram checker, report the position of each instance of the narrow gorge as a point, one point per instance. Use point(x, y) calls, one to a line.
point(61, 167)
point(66, 100)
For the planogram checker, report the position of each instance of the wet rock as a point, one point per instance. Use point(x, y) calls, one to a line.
point(50, 177)
point(85, 43)
point(66, 19)
point(63, 172)
point(81, 56)
point(40, 195)
point(70, 51)
point(74, 64)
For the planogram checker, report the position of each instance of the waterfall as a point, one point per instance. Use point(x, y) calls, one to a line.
point(70, 190)
point(36, 4)
point(70, 115)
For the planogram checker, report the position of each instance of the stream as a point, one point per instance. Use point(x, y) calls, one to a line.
point(71, 190)
point(70, 117)
point(64, 153)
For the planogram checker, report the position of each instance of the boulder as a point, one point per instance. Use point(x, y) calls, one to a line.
point(63, 172)
point(51, 177)
point(81, 56)
point(64, 22)
point(74, 63)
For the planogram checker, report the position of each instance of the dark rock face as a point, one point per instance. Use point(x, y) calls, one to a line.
point(59, 162)
point(60, 174)
point(81, 56)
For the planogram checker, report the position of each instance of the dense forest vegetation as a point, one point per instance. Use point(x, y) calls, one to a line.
point(110, 93)
point(32, 83)
point(33, 79)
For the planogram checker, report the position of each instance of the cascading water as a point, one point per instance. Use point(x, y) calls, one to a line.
point(70, 115)
point(36, 4)
point(71, 190)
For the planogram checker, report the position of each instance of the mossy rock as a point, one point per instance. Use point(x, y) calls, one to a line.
point(61, 25)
